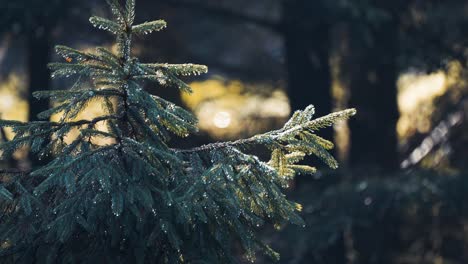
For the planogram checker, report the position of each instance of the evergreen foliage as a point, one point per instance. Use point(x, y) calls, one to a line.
point(136, 200)
point(409, 217)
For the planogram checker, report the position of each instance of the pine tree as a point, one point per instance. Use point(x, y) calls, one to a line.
point(136, 200)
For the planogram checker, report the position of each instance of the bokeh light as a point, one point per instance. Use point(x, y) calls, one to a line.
point(245, 109)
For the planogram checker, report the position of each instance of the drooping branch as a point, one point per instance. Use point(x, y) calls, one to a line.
point(281, 135)
point(219, 145)
point(61, 124)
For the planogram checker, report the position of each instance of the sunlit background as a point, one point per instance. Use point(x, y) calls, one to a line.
point(402, 64)
point(228, 109)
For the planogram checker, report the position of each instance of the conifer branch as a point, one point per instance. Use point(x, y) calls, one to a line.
point(137, 197)
point(86, 122)
point(281, 134)
point(60, 124)
point(220, 145)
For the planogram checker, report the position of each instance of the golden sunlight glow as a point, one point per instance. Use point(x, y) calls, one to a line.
point(416, 98)
point(416, 92)
point(7, 101)
point(12, 106)
point(222, 119)
point(244, 109)
point(418, 88)
point(93, 109)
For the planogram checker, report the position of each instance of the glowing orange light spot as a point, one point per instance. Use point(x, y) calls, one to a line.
point(68, 59)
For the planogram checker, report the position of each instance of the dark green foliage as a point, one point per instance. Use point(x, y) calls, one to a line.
point(409, 218)
point(137, 200)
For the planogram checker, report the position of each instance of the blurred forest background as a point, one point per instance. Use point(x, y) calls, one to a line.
point(401, 194)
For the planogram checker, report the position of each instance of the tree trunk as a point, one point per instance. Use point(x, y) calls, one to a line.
point(373, 91)
point(39, 52)
point(39, 48)
point(307, 61)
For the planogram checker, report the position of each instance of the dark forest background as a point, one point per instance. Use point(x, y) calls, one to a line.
point(401, 194)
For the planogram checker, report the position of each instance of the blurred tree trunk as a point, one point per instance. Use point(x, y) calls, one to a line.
point(39, 52)
point(307, 46)
point(373, 91)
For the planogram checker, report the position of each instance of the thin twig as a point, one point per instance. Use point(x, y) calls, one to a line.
point(14, 171)
point(274, 135)
point(219, 145)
